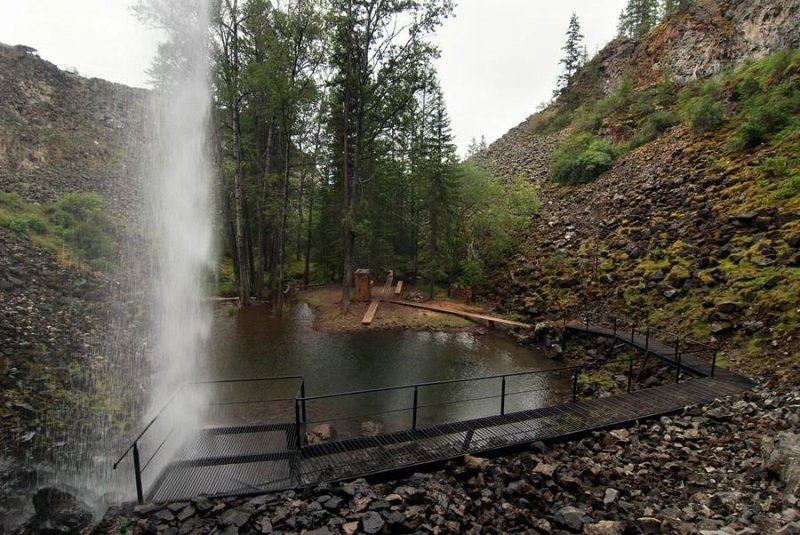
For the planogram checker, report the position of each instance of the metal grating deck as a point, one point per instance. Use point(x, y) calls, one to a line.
point(255, 459)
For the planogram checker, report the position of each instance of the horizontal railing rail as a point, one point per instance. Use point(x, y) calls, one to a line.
point(632, 332)
point(497, 389)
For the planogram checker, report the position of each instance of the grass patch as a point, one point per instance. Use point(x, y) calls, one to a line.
point(788, 188)
point(76, 228)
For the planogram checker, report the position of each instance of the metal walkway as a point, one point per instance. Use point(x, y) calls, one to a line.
point(254, 459)
point(669, 354)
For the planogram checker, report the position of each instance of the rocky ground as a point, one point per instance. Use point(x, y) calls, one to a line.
point(730, 467)
point(704, 252)
point(61, 133)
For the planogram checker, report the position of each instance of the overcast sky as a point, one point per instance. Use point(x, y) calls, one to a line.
point(499, 57)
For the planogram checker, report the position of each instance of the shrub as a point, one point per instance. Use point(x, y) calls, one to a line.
point(581, 158)
point(764, 119)
point(776, 167)
point(654, 125)
point(789, 188)
point(746, 88)
point(706, 114)
point(81, 221)
point(26, 223)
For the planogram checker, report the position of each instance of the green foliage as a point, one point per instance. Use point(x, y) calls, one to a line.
point(81, 221)
point(706, 114)
point(225, 282)
point(765, 116)
point(231, 309)
point(76, 225)
point(27, 223)
point(581, 158)
point(789, 187)
point(653, 125)
point(574, 54)
point(638, 18)
point(493, 215)
point(589, 118)
point(776, 167)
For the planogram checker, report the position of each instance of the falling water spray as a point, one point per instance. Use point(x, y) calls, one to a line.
point(182, 213)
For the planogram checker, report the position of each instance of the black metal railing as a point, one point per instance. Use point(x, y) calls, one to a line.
point(161, 428)
point(686, 353)
point(416, 406)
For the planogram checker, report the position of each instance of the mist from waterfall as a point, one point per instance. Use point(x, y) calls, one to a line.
point(182, 209)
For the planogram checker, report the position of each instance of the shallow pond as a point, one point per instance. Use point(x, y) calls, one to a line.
point(253, 343)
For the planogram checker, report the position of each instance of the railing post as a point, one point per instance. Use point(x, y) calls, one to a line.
point(678, 370)
point(647, 340)
point(633, 332)
point(615, 327)
point(714, 363)
point(138, 473)
point(630, 374)
point(575, 384)
point(303, 397)
point(297, 422)
point(503, 397)
point(414, 417)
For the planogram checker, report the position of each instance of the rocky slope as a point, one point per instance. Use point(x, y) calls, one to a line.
point(683, 231)
point(59, 134)
point(704, 40)
point(63, 133)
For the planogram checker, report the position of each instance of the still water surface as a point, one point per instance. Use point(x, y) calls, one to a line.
point(253, 343)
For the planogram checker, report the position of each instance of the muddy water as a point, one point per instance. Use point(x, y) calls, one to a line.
point(253, 343)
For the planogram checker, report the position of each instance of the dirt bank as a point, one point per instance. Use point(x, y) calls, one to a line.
point(326, 301)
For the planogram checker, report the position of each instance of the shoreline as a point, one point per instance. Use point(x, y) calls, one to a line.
point(325, 303)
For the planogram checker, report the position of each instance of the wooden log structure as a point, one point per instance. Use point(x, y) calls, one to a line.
point(385, 293)
point(491, 320)
point(363, 286)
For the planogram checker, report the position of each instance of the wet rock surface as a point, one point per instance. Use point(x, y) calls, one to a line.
point(690, 473)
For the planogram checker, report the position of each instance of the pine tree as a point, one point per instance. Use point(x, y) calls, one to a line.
point(574, 54)
point(638, 18)
point(671, 6)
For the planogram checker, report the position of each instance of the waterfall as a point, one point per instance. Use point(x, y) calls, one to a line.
point(181, 210)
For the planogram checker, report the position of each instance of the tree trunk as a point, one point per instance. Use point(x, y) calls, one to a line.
point(306, 268)
point(262, 223)
point(347, 227)
point(238, 175)
point(282, 225)
point(434, 252)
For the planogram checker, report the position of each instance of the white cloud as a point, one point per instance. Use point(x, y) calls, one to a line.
point(100, 38)
point(500, 58)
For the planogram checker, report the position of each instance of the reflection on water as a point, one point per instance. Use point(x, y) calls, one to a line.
point(253, 343)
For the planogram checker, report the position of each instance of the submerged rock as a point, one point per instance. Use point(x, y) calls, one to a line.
point(321, 433)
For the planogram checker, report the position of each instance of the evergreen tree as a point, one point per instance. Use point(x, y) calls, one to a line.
point(574, 54)
point(378, 54)
point(671, 6)
point(439, 181)
point(638, 18)
point(475, 147)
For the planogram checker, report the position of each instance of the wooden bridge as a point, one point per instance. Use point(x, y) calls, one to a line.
point(252, 459)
